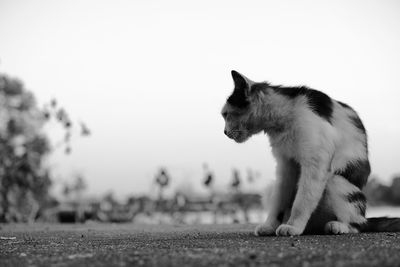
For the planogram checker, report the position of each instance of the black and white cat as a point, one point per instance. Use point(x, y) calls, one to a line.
point(321, 149)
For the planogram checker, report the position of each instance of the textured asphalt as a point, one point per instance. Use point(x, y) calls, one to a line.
point(180, 245)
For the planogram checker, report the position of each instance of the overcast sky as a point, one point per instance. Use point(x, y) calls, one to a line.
point(150, 77)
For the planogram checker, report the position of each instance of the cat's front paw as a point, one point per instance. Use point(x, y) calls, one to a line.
point(264, 229)
point(288, 230)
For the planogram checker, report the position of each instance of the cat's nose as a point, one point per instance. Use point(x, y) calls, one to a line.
point(225, 132)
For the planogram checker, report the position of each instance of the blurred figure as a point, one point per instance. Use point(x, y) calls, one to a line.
point(75, 207)
point(85, 131)
point(208, 176)
point(208, 183)
point(239, 198)
point(250, 176)
point(162, 180)
point(236, 180)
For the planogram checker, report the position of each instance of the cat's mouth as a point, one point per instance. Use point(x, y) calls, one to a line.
point(238, 136)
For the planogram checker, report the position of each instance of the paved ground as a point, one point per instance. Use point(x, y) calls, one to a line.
point(221, 245)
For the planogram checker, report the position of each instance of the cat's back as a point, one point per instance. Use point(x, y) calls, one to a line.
point(348, 124)
point(327, 111)
point(351, 146)
point(319, 121)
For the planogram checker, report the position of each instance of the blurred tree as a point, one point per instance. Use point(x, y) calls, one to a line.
point(380, 194)
point(395, 190)
point(24, 180)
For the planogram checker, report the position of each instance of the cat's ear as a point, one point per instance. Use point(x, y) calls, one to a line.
point(241, 81)
point(241, 92)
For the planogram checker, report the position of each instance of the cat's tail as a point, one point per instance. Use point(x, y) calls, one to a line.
point(381, 224)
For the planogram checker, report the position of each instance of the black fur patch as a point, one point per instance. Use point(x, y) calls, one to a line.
point(345, 105)
point(238, 99)
point(356, 172)
point(355, 118)
point(319, 102)
point(359, 200)
point(362, 207)
point(238, 79)
point(259, 87)
point(358, 123)
point(356, 196)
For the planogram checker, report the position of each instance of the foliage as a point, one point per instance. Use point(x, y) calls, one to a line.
point(379, 194)
point(24, 179)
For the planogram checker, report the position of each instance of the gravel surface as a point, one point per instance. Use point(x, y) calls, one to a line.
point(181, 245)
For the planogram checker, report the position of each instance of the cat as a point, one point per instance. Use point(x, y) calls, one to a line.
point(321, 150)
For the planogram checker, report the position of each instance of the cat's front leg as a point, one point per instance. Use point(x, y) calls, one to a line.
point(311, 185)
point(282, 194)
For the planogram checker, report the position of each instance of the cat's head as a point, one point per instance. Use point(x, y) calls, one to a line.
point(240, 111)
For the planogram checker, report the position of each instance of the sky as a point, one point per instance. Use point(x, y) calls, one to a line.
point(150, 78)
